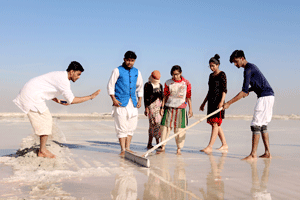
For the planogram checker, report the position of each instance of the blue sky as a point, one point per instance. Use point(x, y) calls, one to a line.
point(37, 37)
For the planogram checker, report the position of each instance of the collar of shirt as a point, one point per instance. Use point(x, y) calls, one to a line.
point(178, 80)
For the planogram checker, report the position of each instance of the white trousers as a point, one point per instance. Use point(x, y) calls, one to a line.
point(263, 111)
point(125, 119)
point(180, 139)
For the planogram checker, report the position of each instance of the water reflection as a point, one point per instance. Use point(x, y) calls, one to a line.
point(180, 180)
point(162, 186)
point(156, 187)
point(259, 188)
point(214, 182)
point(125, 184)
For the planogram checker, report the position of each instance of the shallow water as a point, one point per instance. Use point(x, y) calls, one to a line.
point(88, 165)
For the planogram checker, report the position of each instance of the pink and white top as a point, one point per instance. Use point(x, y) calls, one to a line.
point(177, 92)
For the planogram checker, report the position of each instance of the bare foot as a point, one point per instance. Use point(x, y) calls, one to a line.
point(250, 158)
point(223, 147)
point(122, 154)
point(266, 155)
point(46, 154)
point(178, 152)
point(129, 151)
point(158, 151)
point(206, 150)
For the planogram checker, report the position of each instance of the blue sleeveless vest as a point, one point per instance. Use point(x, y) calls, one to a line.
point(125, 87)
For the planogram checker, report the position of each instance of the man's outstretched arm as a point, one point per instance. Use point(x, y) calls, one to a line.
point(86, 98)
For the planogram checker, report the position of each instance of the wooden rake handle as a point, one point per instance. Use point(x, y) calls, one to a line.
point(171, 137)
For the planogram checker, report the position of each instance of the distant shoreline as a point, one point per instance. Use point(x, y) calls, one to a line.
point(107, 116)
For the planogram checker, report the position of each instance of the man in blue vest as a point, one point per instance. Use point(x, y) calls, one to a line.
point(264, 106)
point(125, 88)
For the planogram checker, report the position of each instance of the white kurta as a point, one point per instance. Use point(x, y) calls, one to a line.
point(45, 87)
point(125, 117)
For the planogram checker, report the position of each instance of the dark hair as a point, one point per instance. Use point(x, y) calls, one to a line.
point(75, 66)
point(175, 67)
point(215, 59)
point(237, 54)
point(130, 54)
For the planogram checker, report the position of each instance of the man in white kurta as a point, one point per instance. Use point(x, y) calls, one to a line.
point(124, 85)
point(32, 97)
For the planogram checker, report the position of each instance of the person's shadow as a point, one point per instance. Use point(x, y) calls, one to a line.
point(214, 182)
point(259, 188)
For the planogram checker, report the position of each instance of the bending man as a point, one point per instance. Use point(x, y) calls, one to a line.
point(32, 96)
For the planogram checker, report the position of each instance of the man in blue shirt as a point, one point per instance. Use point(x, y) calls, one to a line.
point(264, 105)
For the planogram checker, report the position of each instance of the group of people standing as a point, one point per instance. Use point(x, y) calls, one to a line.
point(166, 107)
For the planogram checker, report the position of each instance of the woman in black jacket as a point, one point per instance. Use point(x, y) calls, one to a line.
point(153, 95)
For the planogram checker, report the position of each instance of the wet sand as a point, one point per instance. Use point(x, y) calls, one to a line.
point(88, 165)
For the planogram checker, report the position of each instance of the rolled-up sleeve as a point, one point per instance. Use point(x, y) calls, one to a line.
point(247, 77)
point(65, 88)
point(112, 81)
point(139, 85)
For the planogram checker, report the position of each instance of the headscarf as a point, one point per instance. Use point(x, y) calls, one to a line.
point(154, 79)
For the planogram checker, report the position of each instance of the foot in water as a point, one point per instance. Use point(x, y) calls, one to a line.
point(129, 151)
point(122, 154)
point(266, 155)
point(160, 150)
point(223, 147)
point(178, 153)
point(250, 158)
point(206, 150)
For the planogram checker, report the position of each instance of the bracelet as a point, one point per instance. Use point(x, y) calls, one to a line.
point(91, 97)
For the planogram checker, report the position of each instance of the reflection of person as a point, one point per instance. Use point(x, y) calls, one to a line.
point(164, 174)
point(158, 184)
point(161, 186)
point(153, 94)
point(153, 189)
point(215, 97)
point(124, 84)
point(214, 182)
point(177, 94)
point(264, 104)
point(259, 189)
point(180, 180)
point(32, 96)
point(125, 185)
